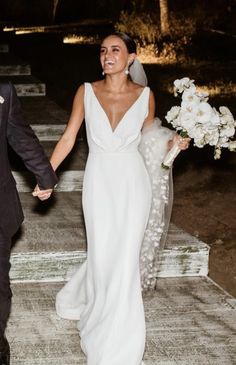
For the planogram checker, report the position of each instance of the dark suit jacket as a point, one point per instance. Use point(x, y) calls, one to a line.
point(15, 131)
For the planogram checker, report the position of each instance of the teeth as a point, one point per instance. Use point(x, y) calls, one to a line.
point(109, 62)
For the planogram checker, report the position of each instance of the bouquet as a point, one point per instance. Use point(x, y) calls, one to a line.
point(195, 118)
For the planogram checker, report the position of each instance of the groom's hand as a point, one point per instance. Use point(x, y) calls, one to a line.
point(42, 194)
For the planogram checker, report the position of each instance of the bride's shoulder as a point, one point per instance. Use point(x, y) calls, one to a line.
point(79, 95)
point(96, 85)
point(80, 89)
point(139, 88)
point(136, 87)
point(83, 87)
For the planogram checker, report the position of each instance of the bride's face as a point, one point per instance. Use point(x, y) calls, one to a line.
point(114, 56)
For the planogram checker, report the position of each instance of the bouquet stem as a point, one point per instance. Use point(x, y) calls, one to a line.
point(173, 153)
point(170, 157)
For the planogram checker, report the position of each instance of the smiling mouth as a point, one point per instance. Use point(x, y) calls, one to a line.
point(110, 63)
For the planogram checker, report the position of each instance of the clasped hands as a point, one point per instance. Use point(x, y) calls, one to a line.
point(42, 194)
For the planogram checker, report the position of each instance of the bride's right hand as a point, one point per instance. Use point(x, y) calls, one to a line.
point(183, 143)
point(42, 194)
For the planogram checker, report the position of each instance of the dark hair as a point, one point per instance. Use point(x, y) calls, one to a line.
point(129, 42)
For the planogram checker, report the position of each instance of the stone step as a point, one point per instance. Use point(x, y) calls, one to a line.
point(74, 163)
point(48, 132)
point(189, 321)
point(4, 48)
point(68, 181)
point(62, 221)
point(31, 89)
point(42, 110)
point(10, 70)
point(27, 85)
point(54, 252)
point(11, 66)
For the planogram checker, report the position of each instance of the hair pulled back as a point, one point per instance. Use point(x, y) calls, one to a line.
point(129, 42)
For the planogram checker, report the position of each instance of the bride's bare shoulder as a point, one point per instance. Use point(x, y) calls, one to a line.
point(97, 85)
point(136, 87)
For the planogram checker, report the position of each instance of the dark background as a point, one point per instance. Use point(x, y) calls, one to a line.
point(39, 11)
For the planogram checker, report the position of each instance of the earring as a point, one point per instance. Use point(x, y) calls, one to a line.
point(103, 73)
point(127, 72)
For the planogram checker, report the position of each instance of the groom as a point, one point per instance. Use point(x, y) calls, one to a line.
point(19, 135)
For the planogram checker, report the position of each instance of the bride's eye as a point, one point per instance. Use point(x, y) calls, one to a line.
point(115, 49)
point(102, 50)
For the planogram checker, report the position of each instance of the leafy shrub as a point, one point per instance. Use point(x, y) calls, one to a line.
point(145, 29)
point(141, 27)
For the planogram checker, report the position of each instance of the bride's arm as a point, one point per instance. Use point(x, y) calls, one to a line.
point(67, 140)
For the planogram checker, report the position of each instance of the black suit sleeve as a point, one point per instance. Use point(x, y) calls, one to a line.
point(25, 143)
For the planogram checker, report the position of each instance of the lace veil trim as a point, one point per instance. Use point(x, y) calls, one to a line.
point(153, 147)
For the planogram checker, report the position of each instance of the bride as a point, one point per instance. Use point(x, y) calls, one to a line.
point(105, 293)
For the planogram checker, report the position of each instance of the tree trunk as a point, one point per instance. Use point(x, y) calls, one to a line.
point(164, 17)
point(55, 3)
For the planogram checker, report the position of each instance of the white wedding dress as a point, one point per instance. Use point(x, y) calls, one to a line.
point(105, 293)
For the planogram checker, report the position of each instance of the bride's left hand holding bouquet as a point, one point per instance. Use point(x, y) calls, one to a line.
point(195, 118)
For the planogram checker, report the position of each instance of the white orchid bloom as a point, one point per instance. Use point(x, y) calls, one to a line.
point(204, 124)
point(225, 111)
point(172, 113)
point(232, 145)
point(227, 132)
point(212, 138)
point(215, 118)
point(184, 83)
point(203, 95)
point(217, 153)
point(203, 112)
point(189, 99)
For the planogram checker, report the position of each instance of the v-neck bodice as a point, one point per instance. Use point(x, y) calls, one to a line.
point(124, 114)
point(126, 135)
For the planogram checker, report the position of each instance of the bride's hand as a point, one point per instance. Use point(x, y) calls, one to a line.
point(42, 194)
point(183, 143)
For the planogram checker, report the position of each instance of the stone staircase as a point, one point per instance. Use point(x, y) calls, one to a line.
point(19, 72)
point(190, 320)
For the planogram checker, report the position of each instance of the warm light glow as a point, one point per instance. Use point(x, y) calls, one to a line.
point(218, 88)
point(28, 31)
point(79, 39)
point(25, 30)
point(148, 55)
point(6, 29)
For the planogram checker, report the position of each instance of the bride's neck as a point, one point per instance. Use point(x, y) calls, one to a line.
point(116, 83)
